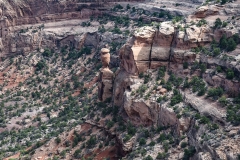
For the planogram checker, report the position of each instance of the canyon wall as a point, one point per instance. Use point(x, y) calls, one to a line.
point(151, 48)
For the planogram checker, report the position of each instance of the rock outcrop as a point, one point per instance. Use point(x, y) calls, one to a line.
point(205, 11)
point(162, 44)
point(141, 43)
point(136, 57)
point(203, 107)
point(105, 79)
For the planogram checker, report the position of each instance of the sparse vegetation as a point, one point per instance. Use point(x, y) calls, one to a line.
point(177, 97)
point(50, 97)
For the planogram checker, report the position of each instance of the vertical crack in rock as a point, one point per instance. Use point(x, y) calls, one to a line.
point(150, 54)
point(172, 46)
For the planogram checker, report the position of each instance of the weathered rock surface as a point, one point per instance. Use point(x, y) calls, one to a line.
point(219, 80)
point(141, 47)
point(105, 79)
point(139, 111)
point(105, 84)
point(122, 82)
point(105, 57)
point(205, 11)
point(204, 107)
point(163, 42)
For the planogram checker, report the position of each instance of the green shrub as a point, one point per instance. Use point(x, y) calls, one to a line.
point(146, 78)
point(184, 144)
point(229, 74)
point(216, 52)
point(219, 69)
point(131, 129)
point(118, 6)
point(189, 153)
point(142, 141)
point(231, 44)
point(116, 30)
point(77, 154)
point(174, 80)
point(224, 1)
point(185, 65)
point(40, 65)
point(217, 23)
point(215, 92)
point(148, 158)
point(141, 75)
point(110, 124)
point(201, 22)
point(224, 24)
point(143, 152)
point(128, 7)
point(161, 156)
point(168, 86)
point(177, 98)
point(152, 143)
point(101, 29)
point(236, 38)
point(91, 142)
point(213, 126)
point(223, 42)
point(233, 114)
point(127, 138)
point(204, 120)
point(198, 85)
point(141, 90)
point(223, 100)
point(186, 84)
point(203, 67)
point(162, 137)
point(161, 72)
point(47, 53)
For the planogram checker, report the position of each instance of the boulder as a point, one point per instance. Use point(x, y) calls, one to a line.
point(105, 57)
point(163, 91)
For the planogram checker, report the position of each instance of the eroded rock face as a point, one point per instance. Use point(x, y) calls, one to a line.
point(219, 80)
point(149, 113)
point(208, 109)
point(105, 84)
point(141, 47)
point(193, 37)
point(180, 56)
point(127, 60)
point(139, 111)
point(162, 43)
point(148, 48)
point(122, 82)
